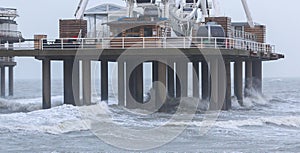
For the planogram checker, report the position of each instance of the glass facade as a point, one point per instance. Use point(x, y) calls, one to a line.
point(8, 27)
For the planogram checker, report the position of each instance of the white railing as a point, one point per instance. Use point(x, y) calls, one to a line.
point(29, 45)
point(244, 35)
point(141, 42)
point(155, 42)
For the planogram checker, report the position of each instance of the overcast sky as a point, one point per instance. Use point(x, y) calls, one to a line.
point(281, 18)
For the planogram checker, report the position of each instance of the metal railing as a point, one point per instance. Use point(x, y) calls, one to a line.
point(155, 42)
point(244, 35)
point(29, 45)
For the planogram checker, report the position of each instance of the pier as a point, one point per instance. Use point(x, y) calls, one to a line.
point(174, 42)
point(170, 60)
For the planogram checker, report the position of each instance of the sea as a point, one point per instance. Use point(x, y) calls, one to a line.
point(265, 123)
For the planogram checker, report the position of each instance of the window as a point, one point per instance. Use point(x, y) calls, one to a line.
point(113, 8)
point(132, 35)
point(133, 30)
point(148, 32)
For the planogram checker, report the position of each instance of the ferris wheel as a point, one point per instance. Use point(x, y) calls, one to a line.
point(182, 14)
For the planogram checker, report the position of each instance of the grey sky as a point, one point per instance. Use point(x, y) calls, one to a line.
point(281, 18)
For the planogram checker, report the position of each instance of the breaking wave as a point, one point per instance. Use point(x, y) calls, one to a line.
point(292, 122)
point(67, 118)
point(256, 99)
point(57, 120)
point(26, 105)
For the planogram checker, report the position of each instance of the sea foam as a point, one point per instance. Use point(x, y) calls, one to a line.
point(57, 120)
point(27, 105)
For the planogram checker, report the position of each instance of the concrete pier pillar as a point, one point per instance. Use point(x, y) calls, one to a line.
point(205, 82)
point(257, 76)
point(121, 83)
point(196, 80)
point(182, 72)
point(248, 78)
point(178, 83)
point(76, 82)
point(71, 81)
point(154, 71)
point(11, 81)
point(139, 85)
point(86, 81)
point(238, 81)
point(214, 99)
point(134, 84)
point(227, 103)
point(129, 83)
point(159, 76)
point(218, 84)
point(155, 86)
point(104, 80)
point(46, 76)
point(171, 81)
point(3, 81)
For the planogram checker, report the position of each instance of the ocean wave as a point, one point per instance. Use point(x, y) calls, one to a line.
point(275, 80)
point(27, 105)
point(256, 99)
point(288, 121)
point(291, 122)
point(57, 120)
point(68, 118)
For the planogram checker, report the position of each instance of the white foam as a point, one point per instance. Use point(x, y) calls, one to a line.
point(256, 99)
point(289, 121)
point(27, 105)
point(275, 80)
point(67, 118)
point(61, 119)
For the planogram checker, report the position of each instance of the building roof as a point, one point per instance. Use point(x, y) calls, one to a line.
point(243, 24)
point(104, 9)
point(135, 22)
point(8, 12)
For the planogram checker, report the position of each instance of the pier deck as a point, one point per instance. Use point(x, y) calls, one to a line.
point(112, 53)
point(143, 46)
